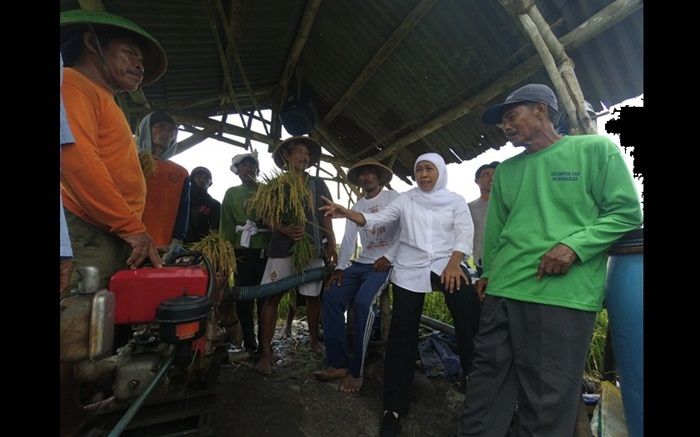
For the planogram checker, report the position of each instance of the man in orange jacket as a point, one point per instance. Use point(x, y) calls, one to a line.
point(102, 185)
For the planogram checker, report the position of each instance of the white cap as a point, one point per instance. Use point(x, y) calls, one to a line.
point(238, 158)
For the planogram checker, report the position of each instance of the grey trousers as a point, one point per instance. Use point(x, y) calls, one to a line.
point(531, 353)
point(94, 247)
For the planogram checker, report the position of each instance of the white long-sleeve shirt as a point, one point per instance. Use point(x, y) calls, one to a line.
point(376, 242)
point(427, 239)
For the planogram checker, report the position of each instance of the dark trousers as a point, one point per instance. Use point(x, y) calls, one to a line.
point(249, 271)
point(361, 287)
point(531, 353)
point(402, 344)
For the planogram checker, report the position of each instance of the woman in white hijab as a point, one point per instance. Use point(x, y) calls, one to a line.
point(436, 232)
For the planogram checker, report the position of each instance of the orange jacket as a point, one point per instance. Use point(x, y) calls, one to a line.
point(163, 201)
point(101, 178)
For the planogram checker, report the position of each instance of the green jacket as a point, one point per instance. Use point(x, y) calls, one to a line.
point(233, 213)
point(577, 192)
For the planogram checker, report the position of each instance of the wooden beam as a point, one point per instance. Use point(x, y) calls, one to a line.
point(307, 22)
point(201, 135)
point(588, 30)
point(344, 177)
point(334, 160)
point(231, 49)
point(197, 137)
point(222, 97)
point(600, 22)
point(328, 140)
point(228, 82)
point(217, 126)
point(406, 26)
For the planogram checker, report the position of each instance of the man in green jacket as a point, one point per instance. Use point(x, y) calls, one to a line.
point(248, 237)
point(554, 211)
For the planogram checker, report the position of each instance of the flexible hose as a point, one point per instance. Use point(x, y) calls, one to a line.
point(251, 292)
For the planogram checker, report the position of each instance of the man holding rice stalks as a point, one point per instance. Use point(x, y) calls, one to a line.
point(301, 238)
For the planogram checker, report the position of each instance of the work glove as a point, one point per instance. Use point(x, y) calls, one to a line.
point(174, 248)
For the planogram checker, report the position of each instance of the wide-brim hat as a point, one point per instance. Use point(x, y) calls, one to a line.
point(385, 173)
point(313, 145)
point(155, 62)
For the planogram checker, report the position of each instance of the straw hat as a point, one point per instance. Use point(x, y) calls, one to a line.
point(155, 61)
point(385, 173)
point(313, 145)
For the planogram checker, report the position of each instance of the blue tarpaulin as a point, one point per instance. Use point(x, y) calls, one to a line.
point(438, 355)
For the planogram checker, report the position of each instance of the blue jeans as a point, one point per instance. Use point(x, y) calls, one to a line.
point(361, 286)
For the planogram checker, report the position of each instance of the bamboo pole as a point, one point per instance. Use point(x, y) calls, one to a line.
point(551, 67)
point(565, 65)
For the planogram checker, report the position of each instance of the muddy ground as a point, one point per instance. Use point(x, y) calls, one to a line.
point(292, 403)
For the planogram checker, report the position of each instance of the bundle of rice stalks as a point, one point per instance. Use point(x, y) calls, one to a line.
point(148, 163)
point(283, 198)
point(220, 253)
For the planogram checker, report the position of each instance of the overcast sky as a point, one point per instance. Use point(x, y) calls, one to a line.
point(216, 156)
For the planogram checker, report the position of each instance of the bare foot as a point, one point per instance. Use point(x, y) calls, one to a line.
point(330, 373)
point(316, 347)
point(350, 384)
point(264, 365)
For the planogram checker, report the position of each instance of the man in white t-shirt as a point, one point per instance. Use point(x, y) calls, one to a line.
point(358, 283)
point(478, 207)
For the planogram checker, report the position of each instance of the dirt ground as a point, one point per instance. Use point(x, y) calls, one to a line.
point(292, 403)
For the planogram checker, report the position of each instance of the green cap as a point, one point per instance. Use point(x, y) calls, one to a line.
point(154, 60)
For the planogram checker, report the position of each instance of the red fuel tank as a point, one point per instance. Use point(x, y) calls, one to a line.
point(139, 292)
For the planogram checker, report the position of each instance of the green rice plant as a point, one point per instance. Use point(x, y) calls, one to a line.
point(596, 349)
point(435, 307)
point(302, 252)
point(283, 307)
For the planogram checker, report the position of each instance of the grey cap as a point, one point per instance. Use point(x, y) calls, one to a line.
point(533, 92)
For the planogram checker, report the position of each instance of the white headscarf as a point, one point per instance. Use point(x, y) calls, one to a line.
point(439, 197)
point(143, 139)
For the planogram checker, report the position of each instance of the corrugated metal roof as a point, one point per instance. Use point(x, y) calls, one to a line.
point(456, 50)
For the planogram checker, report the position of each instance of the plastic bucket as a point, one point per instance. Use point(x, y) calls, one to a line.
point(624, 296)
